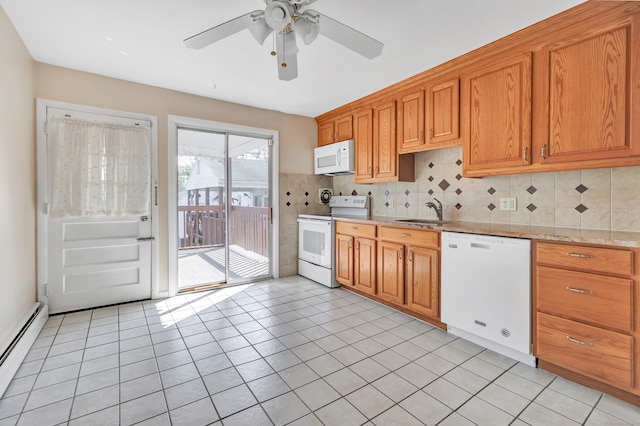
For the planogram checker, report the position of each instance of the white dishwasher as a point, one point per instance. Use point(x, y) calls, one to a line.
point(486, 292)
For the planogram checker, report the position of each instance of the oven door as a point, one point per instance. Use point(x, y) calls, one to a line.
point(314, 241)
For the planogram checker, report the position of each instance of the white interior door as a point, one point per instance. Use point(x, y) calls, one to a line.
point(93, 259)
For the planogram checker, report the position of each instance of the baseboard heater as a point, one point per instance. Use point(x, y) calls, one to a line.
point(19, 343)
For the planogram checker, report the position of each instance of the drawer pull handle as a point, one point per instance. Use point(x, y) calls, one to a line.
point(405, 235)
point(353, 227)
point(579, 342)
point(581, 256)
point(578, 290)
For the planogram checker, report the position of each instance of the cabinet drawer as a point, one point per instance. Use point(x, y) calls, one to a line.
point(600, 354)
point(409, 236)
point(356, 229)
point(606, 260)
point(586, 297)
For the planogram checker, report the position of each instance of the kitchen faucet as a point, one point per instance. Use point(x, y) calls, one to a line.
point(437, 208)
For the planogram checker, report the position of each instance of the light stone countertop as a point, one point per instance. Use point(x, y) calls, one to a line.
point(573, 235)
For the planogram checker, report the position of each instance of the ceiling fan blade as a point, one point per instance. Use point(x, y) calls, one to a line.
point(221, 31)
point(348, 37)
point(287, 54)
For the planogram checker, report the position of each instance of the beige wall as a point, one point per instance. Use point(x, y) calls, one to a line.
point(297, 133)
point(17, 179)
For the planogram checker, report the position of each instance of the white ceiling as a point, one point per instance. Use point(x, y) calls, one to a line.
point(141, 41)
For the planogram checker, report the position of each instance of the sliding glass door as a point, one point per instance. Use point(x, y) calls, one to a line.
point(224, 210)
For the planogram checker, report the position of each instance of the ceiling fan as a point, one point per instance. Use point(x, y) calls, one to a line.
point(285, 19)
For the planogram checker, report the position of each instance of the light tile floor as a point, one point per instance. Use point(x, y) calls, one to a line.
point(286, 351)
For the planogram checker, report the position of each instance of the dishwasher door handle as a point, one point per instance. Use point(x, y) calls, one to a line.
point(482, 246)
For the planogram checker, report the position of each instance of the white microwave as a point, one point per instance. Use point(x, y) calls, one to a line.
point(334, 159)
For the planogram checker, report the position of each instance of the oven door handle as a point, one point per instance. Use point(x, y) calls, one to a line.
point(315, 221)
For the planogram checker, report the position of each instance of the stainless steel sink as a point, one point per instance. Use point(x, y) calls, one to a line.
point(424, 221)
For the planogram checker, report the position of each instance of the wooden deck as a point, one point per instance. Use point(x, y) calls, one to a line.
point(203, 266)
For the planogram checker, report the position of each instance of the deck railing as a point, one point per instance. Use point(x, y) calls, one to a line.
point(204, 226)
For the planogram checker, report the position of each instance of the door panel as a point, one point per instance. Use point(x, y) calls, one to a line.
point(98, 261)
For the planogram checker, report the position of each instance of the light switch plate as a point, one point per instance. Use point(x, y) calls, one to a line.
point(508, 204)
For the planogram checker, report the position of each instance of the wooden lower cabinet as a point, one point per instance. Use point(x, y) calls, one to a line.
point(391, 272)
point(393, 265)
point(422, 280)
point(586, 324)
point(408, 269)
point(356, 256)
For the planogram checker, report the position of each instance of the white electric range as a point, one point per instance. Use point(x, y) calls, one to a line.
point(316, 237)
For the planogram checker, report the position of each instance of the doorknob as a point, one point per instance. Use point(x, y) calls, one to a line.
point(144, 218)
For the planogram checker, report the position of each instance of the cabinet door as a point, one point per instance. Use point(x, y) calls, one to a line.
point(384, 141)
point(325, 133)
point(411, 122)
point(391, 271)
point(364, 146)
point(499, 116)
point(344, 128)
point(443, 114)
point(365, 265)
point(344, 259)
point(423, 292)
point(590, 80)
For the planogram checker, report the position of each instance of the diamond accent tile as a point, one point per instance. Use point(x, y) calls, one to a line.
point(531, 189)
point(354, 192)
point(340, 193)
point(491, 190)
point(430, 192)
point(491, 206)
point(288, 193)
point(582, 208)
point(458, 191)
point(306, 203)
point(431, 165)
point(407, 192)
point(369, 193)
point(306, 194)
point(430, 178)
point(444, 184)
point(288, 203)
point(386, 193)
point(581, 189)
point(458, 176)
point(458, 162)
point(407, 205)
point(458, 206)
point(386, 204)
point(531, 207)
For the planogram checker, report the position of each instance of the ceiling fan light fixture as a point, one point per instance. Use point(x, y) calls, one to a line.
point(307, 28)
point(260, 30)
point(278, 14)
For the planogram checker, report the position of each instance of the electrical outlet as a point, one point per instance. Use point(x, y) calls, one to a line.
point(390, 201)
point(508, 204)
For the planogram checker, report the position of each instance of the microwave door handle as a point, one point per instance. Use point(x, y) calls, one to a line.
point(338, 157)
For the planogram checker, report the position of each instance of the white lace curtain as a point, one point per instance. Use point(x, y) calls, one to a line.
point(98, 169)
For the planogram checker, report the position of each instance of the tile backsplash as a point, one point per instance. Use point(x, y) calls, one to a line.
point(298, 194)
point(589, 199)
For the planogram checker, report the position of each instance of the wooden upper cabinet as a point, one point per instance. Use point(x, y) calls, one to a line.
point(429, 119)
point(592, 89)
point(336, 130)
point(411, 122)
point(498, 116)
point(363, 145)
point(443, 114)
point(384, 141)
